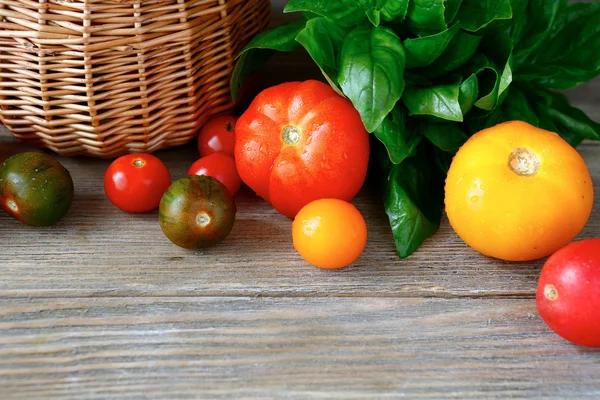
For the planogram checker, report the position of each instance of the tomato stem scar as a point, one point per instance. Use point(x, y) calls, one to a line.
point(524, 162)
point(203, 219)
point(138, 163)
point(290, 134)
point(12, 205)
point(550, 292)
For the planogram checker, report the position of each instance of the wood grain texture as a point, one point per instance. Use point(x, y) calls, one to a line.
point(286, 348)
point(97, 250)
point(103, 306)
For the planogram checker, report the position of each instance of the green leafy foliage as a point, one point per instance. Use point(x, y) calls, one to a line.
point(426, 16)
point(438, 101)
point(323, 40)
point(343, 12)
point(570, 52)
point(459, 51)
point(260, 49)
point(426, 74)
point(392, 10)
point(413, 197)
point(477, 14)
point(371, 72)
point(535, 20)
point(467, 93)
point(399, 139)
point(445, 136)
point(424, 50)
point(386, 10)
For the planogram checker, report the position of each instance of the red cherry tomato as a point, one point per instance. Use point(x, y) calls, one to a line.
point(136, 182)
point(218, 134)
point(568, 293)
point(219, 166)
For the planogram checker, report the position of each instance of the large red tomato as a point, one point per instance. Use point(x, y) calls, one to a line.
point(299, 142)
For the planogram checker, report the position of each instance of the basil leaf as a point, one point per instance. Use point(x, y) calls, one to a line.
point(323, 39)
point(477, 14)
point(426, 16)
point(413, 197)
point(467, 93)
point(438, 101)
point(310, 15)
point(371, 72)
point(343, 12)
point(565, 116)
point(569, 55)
point(490, 75)
point(394, 10)
point(536, 22)
point(517, 108)
point(386, 10)
point(497, 46)
point(583, 60)
point(446, 136)
point(452, 7)
point(371, 11)
point(492, 80)
point(460, 50)
point(282, 38)
point(261, 48)
point(422, 51)
point(557, 115)
point(399, 141)
point(518, 26)
point(442, 159)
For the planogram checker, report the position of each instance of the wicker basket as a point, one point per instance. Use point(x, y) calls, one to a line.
point(108, 77)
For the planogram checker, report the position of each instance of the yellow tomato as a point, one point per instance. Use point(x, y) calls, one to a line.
point(517, 192)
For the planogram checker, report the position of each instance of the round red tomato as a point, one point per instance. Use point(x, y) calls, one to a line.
point(568, 293)
point(299, 142)
point(219, 166)
point(136, 182)
point(218, 134)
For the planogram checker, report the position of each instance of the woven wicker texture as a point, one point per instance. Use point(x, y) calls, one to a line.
point(108, 77)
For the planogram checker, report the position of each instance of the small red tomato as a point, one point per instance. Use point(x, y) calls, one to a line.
point(136, 182)
point(219, 166)
point(568, 293)
point(218, 134)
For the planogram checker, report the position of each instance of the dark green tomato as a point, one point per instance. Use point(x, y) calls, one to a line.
point(35, 188)
point(197, 212)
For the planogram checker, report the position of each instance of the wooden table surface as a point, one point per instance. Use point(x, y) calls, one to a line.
point(104, 306)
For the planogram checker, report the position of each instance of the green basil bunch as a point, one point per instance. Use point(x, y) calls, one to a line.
point(426, 74)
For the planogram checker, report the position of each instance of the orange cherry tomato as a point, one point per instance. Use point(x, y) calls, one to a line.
point(517, 192)
point(299, 142)
point(221, 167)
point(329, 233)
point(218, 134)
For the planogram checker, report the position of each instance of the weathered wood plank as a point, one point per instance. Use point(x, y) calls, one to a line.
point(292, 348)
point(97, 250)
